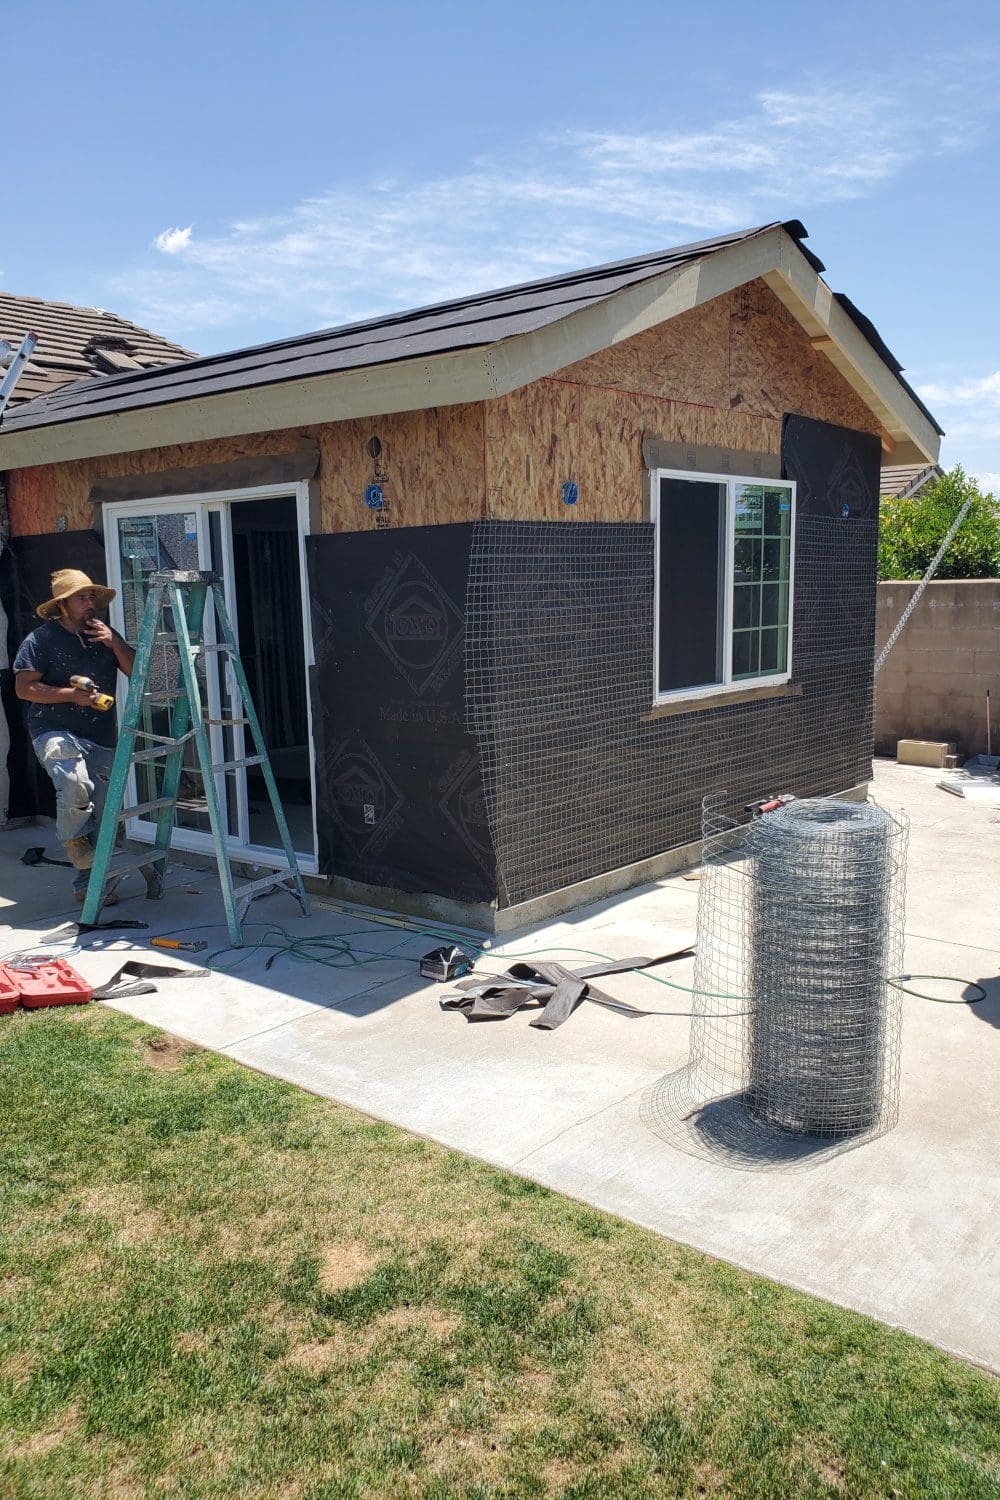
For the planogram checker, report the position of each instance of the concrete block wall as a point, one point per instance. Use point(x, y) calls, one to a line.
point(934, 681)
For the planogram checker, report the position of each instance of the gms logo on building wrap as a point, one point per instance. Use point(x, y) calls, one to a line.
point(416, 624)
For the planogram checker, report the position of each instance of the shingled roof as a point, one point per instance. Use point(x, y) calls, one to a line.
point(465, 350)
point(75, 343)
point(900, 481)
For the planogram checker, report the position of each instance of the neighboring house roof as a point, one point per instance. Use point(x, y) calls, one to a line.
point(470, 349)
point(75, 343)
point(900, 481)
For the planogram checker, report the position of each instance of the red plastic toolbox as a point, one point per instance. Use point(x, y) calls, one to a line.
point(10, 995)
point(56, 983)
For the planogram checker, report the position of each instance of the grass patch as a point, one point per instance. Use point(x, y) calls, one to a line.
point(213, 1284)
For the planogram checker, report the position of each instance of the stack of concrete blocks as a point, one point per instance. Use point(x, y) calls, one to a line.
point(933, 683)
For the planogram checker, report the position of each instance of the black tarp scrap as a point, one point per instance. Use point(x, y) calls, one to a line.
point(552, 987)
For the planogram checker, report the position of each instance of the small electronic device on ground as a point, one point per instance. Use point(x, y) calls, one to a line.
point(444, 964)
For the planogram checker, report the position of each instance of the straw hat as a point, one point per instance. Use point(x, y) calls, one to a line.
point(67, 581)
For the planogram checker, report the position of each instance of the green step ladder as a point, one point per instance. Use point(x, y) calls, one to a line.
point(174, 615)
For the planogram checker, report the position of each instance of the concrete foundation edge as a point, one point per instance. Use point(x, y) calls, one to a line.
point(480, 917)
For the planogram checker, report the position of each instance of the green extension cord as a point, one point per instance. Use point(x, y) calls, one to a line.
point(336, 951)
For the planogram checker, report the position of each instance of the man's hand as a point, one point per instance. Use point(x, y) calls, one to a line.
point(98, 632)
point(102, 635)
point(85, 697)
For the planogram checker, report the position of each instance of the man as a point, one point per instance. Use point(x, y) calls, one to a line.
point(73, 740)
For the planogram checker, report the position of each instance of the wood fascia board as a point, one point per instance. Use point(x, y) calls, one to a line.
point(517, 361)
point(813, 304)
point(409, 385)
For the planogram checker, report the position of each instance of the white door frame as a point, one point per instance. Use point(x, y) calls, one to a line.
point(203, 502)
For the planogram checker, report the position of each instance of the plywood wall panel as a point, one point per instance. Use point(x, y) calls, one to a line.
point(35, 509)
point(33, 500)
point(431, 468)
point(686, 358)
point(774, 368)
point(720, 375)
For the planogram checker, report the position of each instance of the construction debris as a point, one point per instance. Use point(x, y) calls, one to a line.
point(553, 988)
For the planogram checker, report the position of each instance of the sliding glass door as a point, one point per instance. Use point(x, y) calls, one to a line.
point(262, 576)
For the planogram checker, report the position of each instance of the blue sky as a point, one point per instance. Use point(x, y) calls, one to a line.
point(228, 173)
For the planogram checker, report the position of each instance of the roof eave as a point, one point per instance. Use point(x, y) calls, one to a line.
point(909, 436)
point(486, 371)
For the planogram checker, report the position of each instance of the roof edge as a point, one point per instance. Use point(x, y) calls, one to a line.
point(774, 253)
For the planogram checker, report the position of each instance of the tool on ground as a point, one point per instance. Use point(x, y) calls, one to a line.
point(165, 942)
point(15, 367)
point(175, 615)
point(558, 990)
point(38, 856)
point(102, 702)
point(445, 964)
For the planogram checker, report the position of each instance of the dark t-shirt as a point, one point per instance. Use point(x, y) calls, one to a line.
point(59, 654)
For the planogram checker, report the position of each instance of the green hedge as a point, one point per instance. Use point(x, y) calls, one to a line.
point(911, 531)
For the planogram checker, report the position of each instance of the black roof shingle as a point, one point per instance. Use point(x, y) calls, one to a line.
point(464, 323)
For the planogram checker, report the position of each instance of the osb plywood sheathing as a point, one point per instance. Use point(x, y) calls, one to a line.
point(430, 469)
point(720, 375)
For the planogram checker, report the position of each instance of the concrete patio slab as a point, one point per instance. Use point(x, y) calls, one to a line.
point(903, 1228)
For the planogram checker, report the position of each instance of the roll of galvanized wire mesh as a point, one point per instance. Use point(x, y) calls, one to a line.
point(820, 929)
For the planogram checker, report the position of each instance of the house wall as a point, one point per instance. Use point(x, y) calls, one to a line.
point(934, 681)
point(721, 374)
point(559, 757)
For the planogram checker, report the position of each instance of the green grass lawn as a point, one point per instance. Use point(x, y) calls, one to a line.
point(213, 1284)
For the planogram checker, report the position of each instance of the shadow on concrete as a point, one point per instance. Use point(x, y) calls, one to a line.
point(343, 960)
point(725, 1130)
point(987, 1010)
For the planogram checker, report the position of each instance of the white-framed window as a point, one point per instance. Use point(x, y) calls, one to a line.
point(724, 582)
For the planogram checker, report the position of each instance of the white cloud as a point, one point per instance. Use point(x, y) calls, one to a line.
point(988, 482)
point(554, 204)
point(170, 241)
point(982, 392)
point(968, 408)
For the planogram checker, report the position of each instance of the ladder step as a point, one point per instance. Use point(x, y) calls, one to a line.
point(121, 866)
point(234, 765)
point(226, 721)
point(267, 883)
point(196, 646)
point(167, 748)
point(145, 807)
point(168, 697)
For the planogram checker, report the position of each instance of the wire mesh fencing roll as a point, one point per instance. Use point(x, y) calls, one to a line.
point(795, 1037)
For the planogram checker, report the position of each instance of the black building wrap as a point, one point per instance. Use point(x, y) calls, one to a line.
point(578, 777)
point(26, 565)
point(399, 791)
